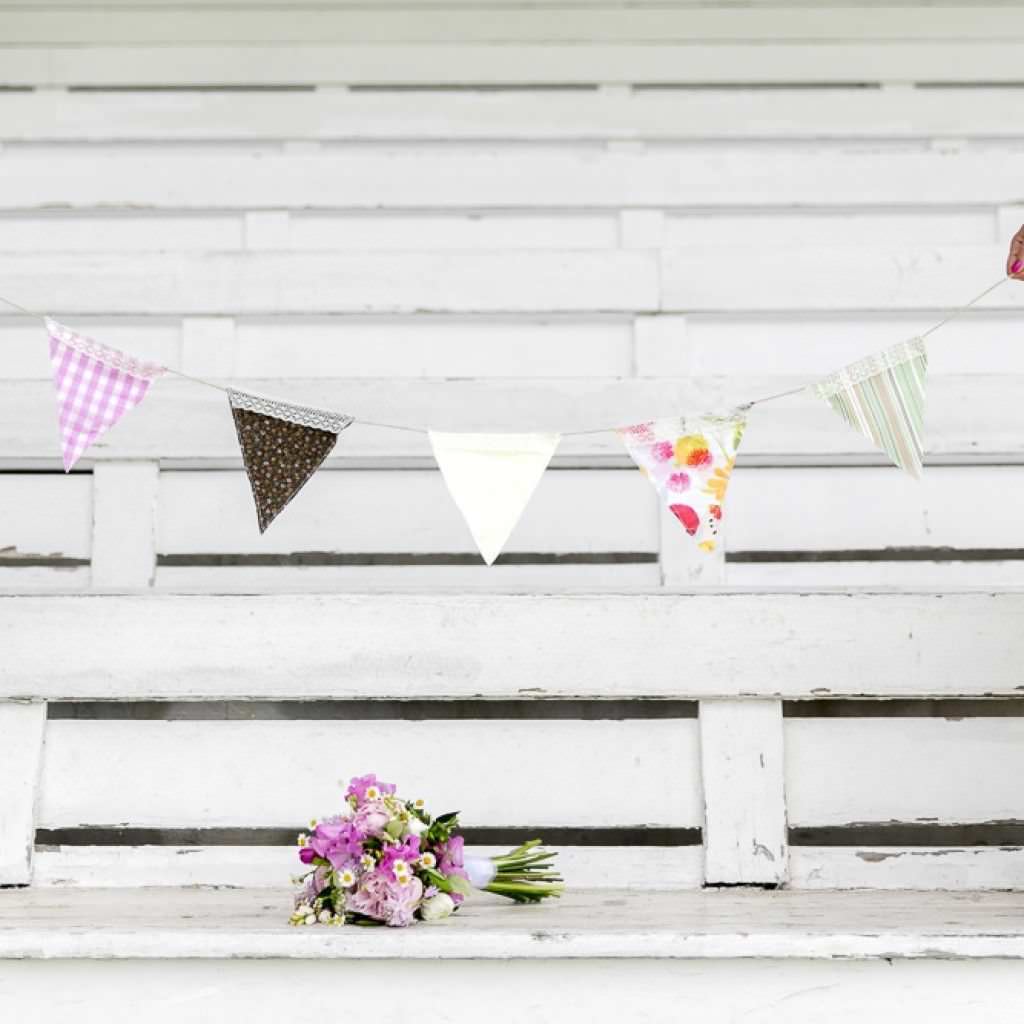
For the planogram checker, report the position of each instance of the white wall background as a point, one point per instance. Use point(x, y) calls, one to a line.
point(510, 216)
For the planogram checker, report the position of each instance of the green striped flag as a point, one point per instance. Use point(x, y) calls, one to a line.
point(882, 396)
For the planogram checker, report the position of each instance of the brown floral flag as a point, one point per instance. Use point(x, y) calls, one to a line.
point(283, 445)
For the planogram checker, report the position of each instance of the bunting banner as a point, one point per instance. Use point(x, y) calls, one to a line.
point(688, 460)
point(283, 445)
point(96, 386)
point(491, 478)
point(882, 396)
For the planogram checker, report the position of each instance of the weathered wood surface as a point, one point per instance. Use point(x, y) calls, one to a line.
point(21, 749)
point(603, 645)
point(742, 765)
point(251, 923)
point(597, 991)
point(535, 773)
point(270, 867)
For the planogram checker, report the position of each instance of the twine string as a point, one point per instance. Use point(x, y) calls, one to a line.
point(952, 315)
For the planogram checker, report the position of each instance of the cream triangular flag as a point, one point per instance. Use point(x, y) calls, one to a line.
point(491, 478)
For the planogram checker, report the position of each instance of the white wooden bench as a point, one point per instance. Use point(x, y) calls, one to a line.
point(810, 757)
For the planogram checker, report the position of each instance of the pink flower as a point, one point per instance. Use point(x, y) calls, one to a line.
point(678, 481)
point(339, 842)
point(385, 899)
point(358, 786)
point(662, 450)
point(371, 818)
point(450, 862)
point(408, 850)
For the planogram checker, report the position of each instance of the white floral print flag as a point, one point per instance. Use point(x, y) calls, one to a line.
point(688, 460)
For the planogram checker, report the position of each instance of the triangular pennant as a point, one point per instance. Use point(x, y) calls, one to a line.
point(491, 478)
point(283, 445)
point(882, 396)
point(688, 460)
point(96, 386)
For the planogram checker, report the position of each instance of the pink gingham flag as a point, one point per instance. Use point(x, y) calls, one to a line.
point(96, 386)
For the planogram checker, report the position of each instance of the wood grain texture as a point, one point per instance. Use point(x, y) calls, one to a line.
point(21, 748)
point(602, 644)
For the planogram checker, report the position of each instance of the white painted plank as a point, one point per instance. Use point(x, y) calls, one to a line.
point(700, 278)
point(742, 345)
point(46, 515)
point(741, 751)
point(513, 176)
point(184, 421)
point(125, 505)
point(924, 575)
point(833, 279)
point(527, 578)
point(572, 21)
point(868, 508)
point(407, 511)
point(357, 282)
point(970, 112)
point(45, 231)
point(963, 869)
point(582, 867)
point(696, 62)
point(355, 346)
point(840, 771)
point(475, 646)
point(511, 772)
point(49, 923)
point(600, 991)
point(44, 579)
point(21, 748)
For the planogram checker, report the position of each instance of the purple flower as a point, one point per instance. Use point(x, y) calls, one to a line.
point(339, 842)
point(408, 850)
point(358, 788)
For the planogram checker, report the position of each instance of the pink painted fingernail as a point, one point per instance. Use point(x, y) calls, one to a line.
point(1017, 267)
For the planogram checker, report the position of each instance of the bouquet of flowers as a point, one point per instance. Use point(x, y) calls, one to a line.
point(384, 860)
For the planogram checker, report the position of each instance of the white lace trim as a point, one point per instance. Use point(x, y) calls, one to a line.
point(878, 362)
point(112, 357)
point(301, 415)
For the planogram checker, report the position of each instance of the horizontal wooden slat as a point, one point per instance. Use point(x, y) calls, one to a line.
point(459, 22)
point(700, 278)
point(843, 771)
point(591, 867)
point(513, 772)
point(968, 419)
point(958, 869)
point(609, 926)
point(695, 62)
point(512, 176)
point(583, 511)
point(606, 644)
point(873, 508)
point(978, 113)
point(45, 516)
point(735, 345)
point(934, 570)
point(364, 282)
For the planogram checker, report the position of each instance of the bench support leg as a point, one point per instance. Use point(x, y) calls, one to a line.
point(21, 748)
point(744, 798)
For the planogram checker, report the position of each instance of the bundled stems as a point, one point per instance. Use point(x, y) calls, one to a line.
point(526, 874)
